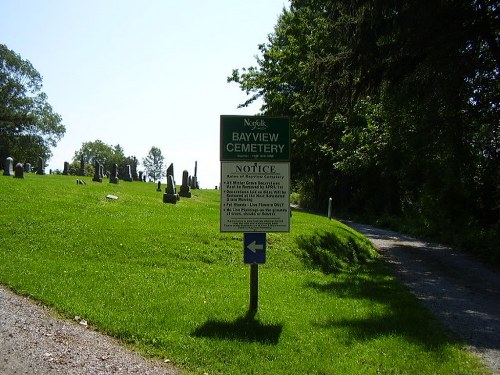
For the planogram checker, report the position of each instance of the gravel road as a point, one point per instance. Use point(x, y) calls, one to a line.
point(461, 291)
point(34, 341)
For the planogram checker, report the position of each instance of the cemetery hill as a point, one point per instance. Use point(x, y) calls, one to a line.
point(165, 280)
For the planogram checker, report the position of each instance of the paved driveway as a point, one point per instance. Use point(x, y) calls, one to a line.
point(461, 291)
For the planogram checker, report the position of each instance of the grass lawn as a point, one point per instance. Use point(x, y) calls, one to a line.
point(163, 279)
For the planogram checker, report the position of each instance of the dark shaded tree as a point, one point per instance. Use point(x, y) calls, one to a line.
point(394, 108)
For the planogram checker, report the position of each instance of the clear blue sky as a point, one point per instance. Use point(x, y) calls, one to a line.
point(141, 73)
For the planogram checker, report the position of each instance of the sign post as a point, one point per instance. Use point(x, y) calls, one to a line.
point(255, 189)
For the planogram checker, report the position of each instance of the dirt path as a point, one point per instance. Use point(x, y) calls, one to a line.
point(460, 290)
point(33, 341)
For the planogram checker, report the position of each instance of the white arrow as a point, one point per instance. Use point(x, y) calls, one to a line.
point(254, 247)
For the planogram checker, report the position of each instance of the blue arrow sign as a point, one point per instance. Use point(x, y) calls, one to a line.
point(254, 248)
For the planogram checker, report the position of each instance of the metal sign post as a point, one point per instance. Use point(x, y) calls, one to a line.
point(255, 184)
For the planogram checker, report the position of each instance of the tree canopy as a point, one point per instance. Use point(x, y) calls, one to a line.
point(394, 108)
point(28, 125)
point(103, 153)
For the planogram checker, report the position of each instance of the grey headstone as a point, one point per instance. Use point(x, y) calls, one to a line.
point(170, 170)
point(81, 172)
point(97, 172)
point(40, 167)
point(171, 189)
point(135, 175)
point(171, 195)
point(128, 173)
point(113, 177)
point(66, 168)
point(185, 185)
point(8, 167)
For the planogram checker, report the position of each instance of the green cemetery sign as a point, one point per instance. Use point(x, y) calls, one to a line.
point(257, 138)
point(255, 174)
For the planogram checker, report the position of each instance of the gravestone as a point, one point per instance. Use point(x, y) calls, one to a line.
point(170, 171)
point(66, 168)
point(19, 171)
point(128, 173)
point(81, 172)
point(40, 166)
point(140, 176)
point(185, 185)
point(8, 169)
point(27, 167)
point(113, 177)
point(159, 186)
point(101, 171)
point(97, 172)
point(194, 179)
point(135, 175)
point(80, 182)
point(170, 196)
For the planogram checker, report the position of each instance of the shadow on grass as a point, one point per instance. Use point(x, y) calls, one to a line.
point(332, 253)
point(245, 328)
point(401, 313)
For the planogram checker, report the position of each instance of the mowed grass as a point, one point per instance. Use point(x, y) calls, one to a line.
point(163, 279)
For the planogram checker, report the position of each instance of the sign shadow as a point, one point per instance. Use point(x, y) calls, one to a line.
point(246, 328)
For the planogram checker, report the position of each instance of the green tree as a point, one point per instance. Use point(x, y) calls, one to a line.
point(96, 150)
point(28, 125)
point(153, 164)
point(106, 154)
point(394, 107)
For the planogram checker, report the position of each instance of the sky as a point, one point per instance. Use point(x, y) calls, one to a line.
point(142, 73)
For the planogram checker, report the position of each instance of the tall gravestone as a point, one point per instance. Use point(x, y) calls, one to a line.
point(170, 195)
point(81, 172)
point(185, 185)
point(170, 170)
point(27, 167)
point(140, 176)
point(97, 172)
point(66, 168)
point(113, 177)
point(194, 179)
point(40, 167)
point(8, 167)
point(128, 173)
point(135, 175)
point(101, 171)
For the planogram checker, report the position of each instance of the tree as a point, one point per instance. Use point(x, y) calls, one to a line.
point(28, 125)
point(395, 104)
point(153, 163)
point(105, 154)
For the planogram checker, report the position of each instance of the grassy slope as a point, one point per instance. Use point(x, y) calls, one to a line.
point(163, 278)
